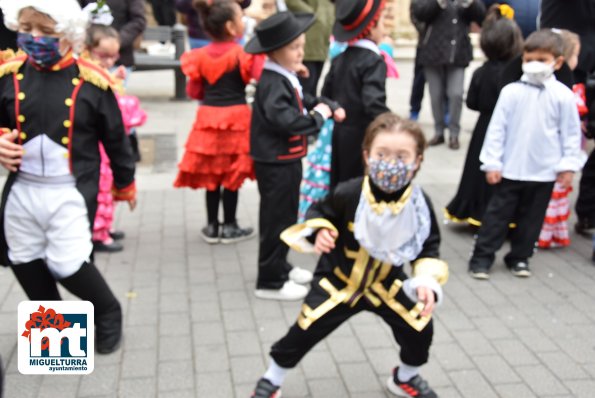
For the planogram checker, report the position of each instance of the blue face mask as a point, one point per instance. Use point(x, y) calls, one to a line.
point(44, 51)
point(389, 176)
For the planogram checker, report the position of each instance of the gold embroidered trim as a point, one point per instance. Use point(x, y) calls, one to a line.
point(432, 267)
point(380, 207)
point(294, 238)
point(11, 65)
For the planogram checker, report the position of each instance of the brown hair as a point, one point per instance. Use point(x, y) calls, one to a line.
point(98, 32)
point(545, 40)
point(213, 16)
point(570, 41)
point(501, 38)
point(390, 122)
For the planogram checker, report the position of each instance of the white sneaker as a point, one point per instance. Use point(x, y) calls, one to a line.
point(289, 292)
point(300, 275)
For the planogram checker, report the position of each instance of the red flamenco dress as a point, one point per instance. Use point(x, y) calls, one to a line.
point(218, 147)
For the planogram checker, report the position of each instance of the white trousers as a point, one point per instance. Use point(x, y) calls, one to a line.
point(47, 222)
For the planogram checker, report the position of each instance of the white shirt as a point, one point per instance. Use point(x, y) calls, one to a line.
point(291, 76)
point(534, 133)
point(368, 44)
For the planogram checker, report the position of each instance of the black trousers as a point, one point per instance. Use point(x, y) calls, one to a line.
point(346, 157)
point(417, 88)
point(585, 203)
point(525, 203)
point(164, 12)
point(415, 346)
point(310, 84)
point(279, 188)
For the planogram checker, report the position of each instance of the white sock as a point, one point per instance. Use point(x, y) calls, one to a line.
point(407, 372)
point(275, 373)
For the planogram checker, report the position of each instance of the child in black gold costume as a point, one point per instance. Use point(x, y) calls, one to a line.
point(282, 118)
point(360, 269)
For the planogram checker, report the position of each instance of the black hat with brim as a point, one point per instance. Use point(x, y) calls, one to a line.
point(278, 30)
point(353, 17)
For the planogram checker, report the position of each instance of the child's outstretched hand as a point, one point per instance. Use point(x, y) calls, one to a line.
point(303, 71)
point(339, 115)
point(120, 73)
point(324, 110)
point(565, 178)
point(493, 177)
point(10, 153)
point(325, 241)
point(426, 297)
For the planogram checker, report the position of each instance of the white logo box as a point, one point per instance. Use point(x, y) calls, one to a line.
point(53, 321)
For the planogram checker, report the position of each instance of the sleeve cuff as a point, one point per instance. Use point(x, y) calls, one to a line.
point(295, 236)
point(124, 194)
point(568, 165)
point(410, 288)
point(431, 267)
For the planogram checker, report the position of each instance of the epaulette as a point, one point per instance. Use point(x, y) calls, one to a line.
point(94, 74)
point(12, 63)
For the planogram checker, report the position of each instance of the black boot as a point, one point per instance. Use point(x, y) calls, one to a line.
point(36, 280)
point(88, 284)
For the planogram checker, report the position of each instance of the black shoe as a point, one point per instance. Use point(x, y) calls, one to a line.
point(520, 269)
point(453, 143)
point(88, 284)
point(416, 387)
point(481, 273)
point(232, 233)
point(266, 389)
point(117, 235)
point(584, 227)
point(113, 247)
point(210, 233)
point(436, 141)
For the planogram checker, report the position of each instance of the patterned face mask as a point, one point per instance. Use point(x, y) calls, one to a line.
point(390, 176)
point(43, 50)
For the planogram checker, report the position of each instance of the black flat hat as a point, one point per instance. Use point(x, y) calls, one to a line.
point(278, 30)
point(352, 17)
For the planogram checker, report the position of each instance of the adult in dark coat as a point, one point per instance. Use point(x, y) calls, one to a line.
point(130, 22)
point(8, 38)
point(445, 51)
point(578, 16)
point(164, 12)
point(526, 13)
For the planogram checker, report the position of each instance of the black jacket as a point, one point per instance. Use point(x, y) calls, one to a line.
point(45, 108)
point(446, 37)
point(129, 21)
point(279, 127)
point(357, 81)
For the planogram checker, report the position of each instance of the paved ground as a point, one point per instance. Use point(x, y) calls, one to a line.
point(194, 329)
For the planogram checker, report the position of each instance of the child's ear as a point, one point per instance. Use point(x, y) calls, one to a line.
point(559, 62)
point(230, 27)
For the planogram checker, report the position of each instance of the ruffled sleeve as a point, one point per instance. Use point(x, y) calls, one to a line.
point(190, 63)
point(251, 66)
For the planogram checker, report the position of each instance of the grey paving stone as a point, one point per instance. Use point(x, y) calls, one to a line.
point(562, 366)
point(471, 383)
point(174, 302)
point(214, 385)
point(63, 385)
point(319, 365)
point(452, 357)
point(103, 381)
point(514, 391)
point(372, 335)
point(327, 388)
point(295, 384)
point(175, 348)
point(236, 320)
point(515, 352)
point(474, 343)
point(173, 324)
point(176, 375)
point(541, 380)
point(234, 300)
point(346, 349)
point(205, 311)
point(243, 343)
point(359, 378)
point(18, 385)
point(141, 314)
point(246, 369)
point(211, 358)
point(177, 394)
point(144, 387)
point(137, 338)
point(208, 333)
point(581, 388)
point(492, 328)
point(496, 370)
point(139, 363)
